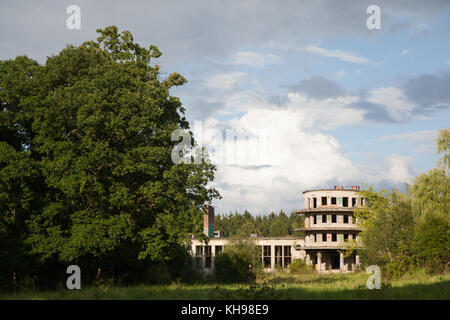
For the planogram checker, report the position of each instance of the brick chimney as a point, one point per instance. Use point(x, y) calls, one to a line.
point(208, 221)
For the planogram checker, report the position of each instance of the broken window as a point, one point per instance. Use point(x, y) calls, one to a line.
point(345, 202)
point(333, 218)
point(208, 256)
point(287, 255)
point(333, 200)
point(199, 256)
point(345, 236)
point(279, 255)
point(324, 237)
point(353, 202)
point(267, 256)
point(324, 201)
point(315, 219)
point(333, 237)
point(345, 218)
point(314, 202)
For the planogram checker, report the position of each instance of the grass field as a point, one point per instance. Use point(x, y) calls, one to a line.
point(279, 285)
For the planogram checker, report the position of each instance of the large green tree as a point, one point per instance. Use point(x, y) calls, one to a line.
point(85, 168)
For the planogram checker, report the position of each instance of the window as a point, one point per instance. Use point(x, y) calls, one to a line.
point(198, 251)
point(333, 218)
point(287, 255)
point(333, 237)
point(362, 201)
point(345, 202)
point(353, 202)
point(345, 218)
point(333, 200)
point(345, 236)
point(279, 256)
point(208, 256)
point(314, 202)
point(267, 256)
point(314, 238)
point(218, 249)
point(324, 201)
point(199, 256)
point(315, 219)
point(324, 237)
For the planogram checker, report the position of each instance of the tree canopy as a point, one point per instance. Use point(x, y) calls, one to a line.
point(85, 158)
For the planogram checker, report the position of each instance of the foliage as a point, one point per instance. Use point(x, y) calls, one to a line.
point(86, 175)
point(401, 231)
point(271, 225)
point(239, 262)
point(299, 266)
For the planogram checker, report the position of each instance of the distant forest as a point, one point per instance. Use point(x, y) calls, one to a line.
point(272, 225)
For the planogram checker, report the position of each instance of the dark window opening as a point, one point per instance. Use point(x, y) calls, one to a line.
point(333, 200)
point(345, 236)
point(324, 237)
point(333, 237)
point(345, 218)
point(218, 250)
point(279, 255)
point(333, 218)
point(287, 255)
point(345, 202)
point(353, 202)
point(315, 219)
point(324, 201)
point(267, 256)
point(314, 202)
point(208, 256)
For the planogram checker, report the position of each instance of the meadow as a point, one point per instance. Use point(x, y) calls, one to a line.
point(277, 285)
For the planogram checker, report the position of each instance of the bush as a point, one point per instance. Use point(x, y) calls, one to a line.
point(238, 262)
point(299, 266)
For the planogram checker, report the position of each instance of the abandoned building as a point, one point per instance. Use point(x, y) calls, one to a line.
point(329, 224)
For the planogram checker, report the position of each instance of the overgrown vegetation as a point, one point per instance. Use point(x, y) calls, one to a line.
point(404, 231)
point(86, 175)
point(240, 262)
point(277, 285)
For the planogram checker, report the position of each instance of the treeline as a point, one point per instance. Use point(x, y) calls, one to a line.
point(406, 231)
point(271, 225)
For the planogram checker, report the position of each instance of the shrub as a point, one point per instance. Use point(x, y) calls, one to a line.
point(239, 262)
point(299, 266)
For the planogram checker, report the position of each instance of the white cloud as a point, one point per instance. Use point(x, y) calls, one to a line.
point(398, 169)
point(404, 52)
point(339, 54)
point(225, 80)
point(308, 156)
point(255, 59)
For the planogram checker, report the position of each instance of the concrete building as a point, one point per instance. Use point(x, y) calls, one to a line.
point(329, 224)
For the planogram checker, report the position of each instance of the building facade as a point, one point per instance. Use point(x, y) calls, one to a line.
point(329, 225)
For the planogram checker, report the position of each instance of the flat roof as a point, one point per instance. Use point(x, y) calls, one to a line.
point(330, 190)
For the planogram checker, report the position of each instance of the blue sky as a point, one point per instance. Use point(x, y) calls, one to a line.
point(350, 104)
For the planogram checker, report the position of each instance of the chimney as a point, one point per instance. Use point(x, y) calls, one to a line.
point(355, 188)
point(339, 187)
point(208, 221)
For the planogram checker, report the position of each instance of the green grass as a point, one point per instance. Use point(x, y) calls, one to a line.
point(279, 285)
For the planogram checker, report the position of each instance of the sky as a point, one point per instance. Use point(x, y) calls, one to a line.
point(342, 104)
